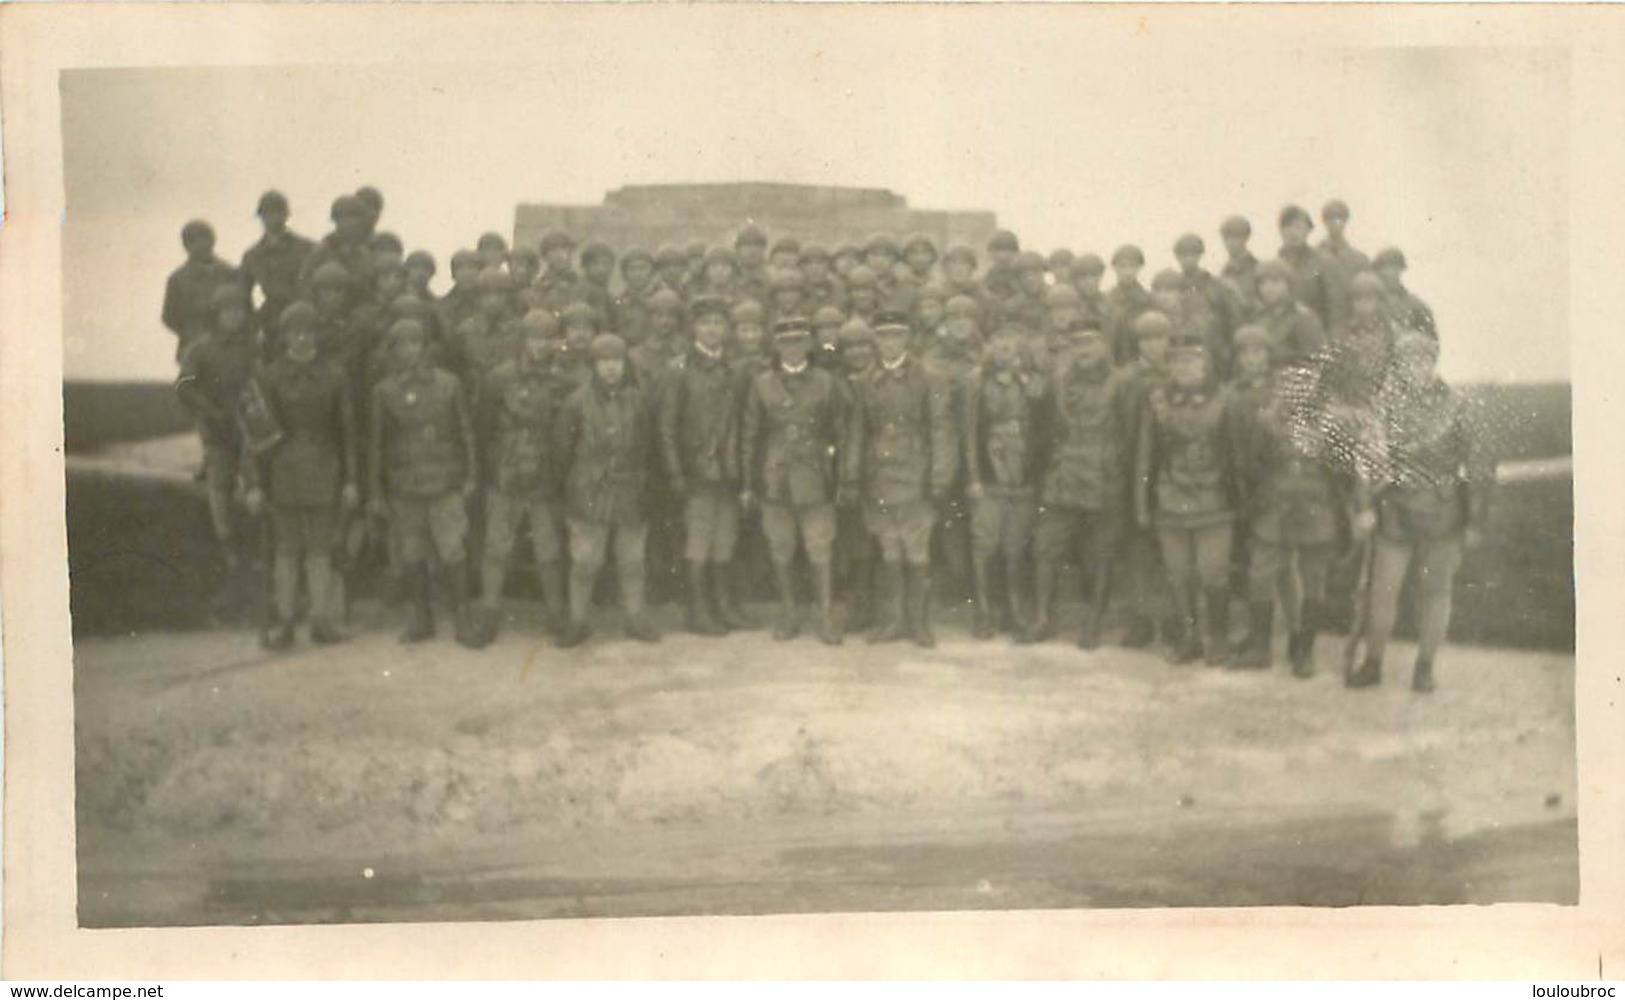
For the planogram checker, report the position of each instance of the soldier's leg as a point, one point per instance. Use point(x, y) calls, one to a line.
point(588, 543)
point(1264, 567)
point(321, 524)
point(547, 543)
point(631, 566)
point(220, 483)
point(1054, 538)
point(724, 546)
point(893, 598)
point(780, 530)
point(1212, 550)
point(1016, 532)
point(409, 518)
point(955, 534)
point(290, 542)
point(502, 519)
point(987, 522)
point(818, 537)
point(1100, 544)
point(855, 549)
point(448, 528)
point(1437, 561)
point(915, 522)
point(1311, 564)
point(1140, 577)
point(699, 524)
point(1389, 563)
point(1179, 563)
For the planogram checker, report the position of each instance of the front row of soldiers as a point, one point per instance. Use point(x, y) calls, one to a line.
point(1146, 475)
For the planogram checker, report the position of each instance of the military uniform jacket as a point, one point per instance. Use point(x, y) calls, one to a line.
point(275, 264)
point(1295, 332)
point(999, 446)
point(900, 449)
point(355, 258)
point(951, 379)
point(1186, 462)
point(317, 453)
point(491, 345)
point(1292, 489)
point(629, 313)
point(1241, 274)
point(1435, 471)
point(519, 404)
point(1082, 439)
point(423, 436)
point(699, 413)
point(1028, 311)
point(1341, 263)
point(606, 439)
point(1206, 295)
point(457, 305)
point(213, 373)
point(1309, 282)
point(1094, 312)
point(1126, 304)
point(654, 364)
point(792, 425)
point(186, 309)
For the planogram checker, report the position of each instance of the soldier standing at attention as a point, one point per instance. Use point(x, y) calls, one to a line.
point(1343, 261)
point(1127, 300)
point(1093, 310)
point(597, 268)
point(1083, 480)
point(559, 283)
point(1207, 299)
point(1310, 285)
point(1025, 305)
point(630, 309)
point(1001, 465)
point(1295, 333)
point(855, 550)
point(1406, 310)
point(898, 461)
point(1186, 486)
point(308, 475)
point(1000, 281)
point(1432, 504)
point(462, 300)
point(348, 245)
point(750, 262)
point(606, 442)
point(699, 414)
point(420, 270)
point(794, 420)
point(1240, 265)
point(190, 289)
point(273, 263)
point(422, 463)
point(517, 407)
point(214, 370)
point(1140, 557)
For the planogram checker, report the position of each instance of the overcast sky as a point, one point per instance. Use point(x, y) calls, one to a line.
point(1456, 155)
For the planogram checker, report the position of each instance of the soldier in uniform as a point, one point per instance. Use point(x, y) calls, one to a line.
point(899, 463)
point(827, 322)
point(493, 250)
point(190, 289)
point(1207, 299)
point(420, 270)
point(462, 300)
point(671, 269)
point(794, 419)
point(750, 261)
point(1094, 312)
point(1295, 333)
point(309, 475)
point(273, 263)
point(517, 406)
point(1310, 285)
point(1252, 389)
point(421, 462)
point(785, 255)
point(823, 288)
point(862, 293)
point(1361, 350)
point(1046, 346)
point(961, 338)
point(959, 274)
point(1083, 464)
point(491, 339)
point(1240, 265)
point(856, 552)
point(1059, 266)
point(372, 200)
point(930, 312)
point(1406, 310)
point(349, 245)
point(1127, 300)
point(880, 256)
point(720, 278)
point(747, 349)
point(699, 417)
point(787, 293)
point(653, 357)
point(1140, 556)
point(607, 445)
point(846, 257)
point(1000, 281)
point(919, 259)
point(1186, 490)
point(214, 370)
point(1432, 505)
point(524, 264)
point(629, 310)
point(1342, 260)
point(387, 251)
point(1000, 457)
point(559, 284)
point(597, 268)
point(1025, 306)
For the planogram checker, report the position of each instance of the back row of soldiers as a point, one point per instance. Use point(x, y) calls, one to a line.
point(1271, 412)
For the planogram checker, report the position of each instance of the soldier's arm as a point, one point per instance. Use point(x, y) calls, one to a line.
point(465, 429)
point(347, 434)
point(189, 386)
point(668, 427)
point(849, 422)
point(174, 316)
point(375, 446)
point(1145, 455)
point(970, 433)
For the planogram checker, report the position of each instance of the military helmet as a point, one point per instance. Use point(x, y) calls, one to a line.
point(1088, 264)
point(962, 252)
point(828, 316)
point(597, 250)
point(1167, 279)
point(665, 300)
point(751, 235)
point(855, 332)
point(916, 240)
point(1337, 208)
point(861, 276)
point(1272, 270)
point(1003, 239)
point(1128, 253)
point(1295, 213)
point(1235, 225)
point(347, 205)
point(195, 230)
point(748, 311)
point(606, 346)
point(495, 279)
point(703, 305)
point(491, 241)
point(1152, 323)
point(1389, 257)
point(387, 241)
point(1061, 295)
point(1250, 335)
point(1029, 261)
point(578, 312)
point(636, 254)
point(297, 314)
point(814, 251)
point(962, 307)
point(272, 200)
point(331, 275)
point(421, 258)
point(1189, 243)
point(557, 239)
point(670, 255)
point(539, 322)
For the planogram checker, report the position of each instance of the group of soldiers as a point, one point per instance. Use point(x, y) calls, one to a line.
point(699, 413)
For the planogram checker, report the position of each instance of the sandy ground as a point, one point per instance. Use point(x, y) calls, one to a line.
point(219, 784)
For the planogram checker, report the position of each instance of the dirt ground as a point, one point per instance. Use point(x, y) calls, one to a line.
point(220, 784)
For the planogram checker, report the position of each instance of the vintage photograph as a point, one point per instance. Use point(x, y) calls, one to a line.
point(801, 477)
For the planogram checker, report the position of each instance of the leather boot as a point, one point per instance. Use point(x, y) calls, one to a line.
point(728, 614)
point(420, 614)
point(892, 604)
point(860, 593)
point(829, 631)
point(1095, 613)
point(277, 636)
point(982, 622)
point(639, 626)
point(1141, 633)
point(1218, 626)
point(1368, 675)
point(1255, 649)
point(1043, 597)
point(919, 596)
point(788, 626)
point(1185, 638)
point(1422, 677)
point(1014, 606)
point(465, 629)
point(700, 621)
point(552, 580)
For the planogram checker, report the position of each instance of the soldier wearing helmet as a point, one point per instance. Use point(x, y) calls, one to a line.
point(1342, 261)
point(1085, 275)
point(349, 245)
point(1406, 310)
point(1310, 283)
point(1126, 302)
point(187, 293)
point(1240, 265)
point(273, 263)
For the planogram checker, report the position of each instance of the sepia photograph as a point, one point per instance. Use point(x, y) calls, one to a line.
point(816, 462)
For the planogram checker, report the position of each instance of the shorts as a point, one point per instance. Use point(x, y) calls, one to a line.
point(303, 529)
point(814, 523)
point(711, 522)
point(1056, 536)
point(590, 542)
point(1002, 524)
point(902, 529)
point(220, 463)
point(419, 522)
point(503, 517)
